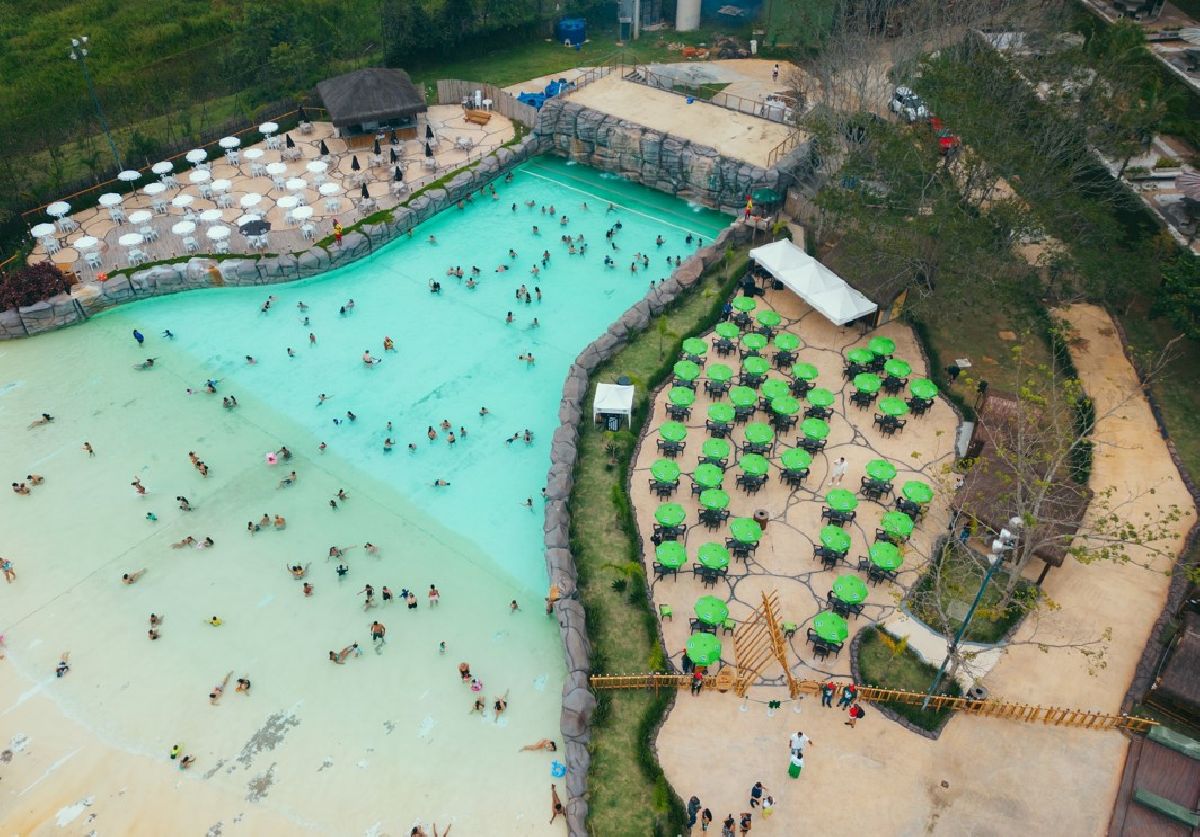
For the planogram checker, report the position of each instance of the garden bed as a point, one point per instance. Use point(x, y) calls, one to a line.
point(887, 663)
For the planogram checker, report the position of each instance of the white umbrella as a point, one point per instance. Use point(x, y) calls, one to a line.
point(253, 153)
point(1189, 183)
point(208, 216)
point(250, 199)
point(42, 230)
point(85, 242)
point(197, 155)
point(318, 167)
point(156, 188)
point(129, 175)
point(302, 213)
point(297, 184)
point(329, 189)
point(130, 240)
point(1191, 35)
point(140, 217)
point(286, 202)
point(199, 176)
point(246, 219)
point(217, 233)
point(58, 209)
point(165, 167)
point(222, 185)
point(276, 169)
point(109, 199)
point(182, 201)
point(229, 142)
point(268, 128)
point(184, 228)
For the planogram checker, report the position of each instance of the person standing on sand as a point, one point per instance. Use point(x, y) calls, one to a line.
point(838, 471)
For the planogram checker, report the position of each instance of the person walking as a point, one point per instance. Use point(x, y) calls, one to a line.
point(756, 794)
point(799, 743)
point(728, 825)
point(856, 712)
point(775, 73)
point(705, 819)
point(838, 471)
point(828, 690)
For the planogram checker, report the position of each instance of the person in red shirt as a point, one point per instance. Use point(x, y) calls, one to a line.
point(856, 712)
point(849, 695)
point(828, 690)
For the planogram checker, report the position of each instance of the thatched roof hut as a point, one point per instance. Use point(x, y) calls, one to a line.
point(366, 100)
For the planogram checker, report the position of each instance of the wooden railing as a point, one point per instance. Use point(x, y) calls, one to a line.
point(789, 144)
point(1047, 715)
point(453, 91)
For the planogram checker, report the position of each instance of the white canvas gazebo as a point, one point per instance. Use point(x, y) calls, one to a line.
point(813, 282)
point(612, 400)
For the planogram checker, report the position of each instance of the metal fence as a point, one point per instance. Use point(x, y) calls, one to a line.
point(771, 110)
point(453, 91)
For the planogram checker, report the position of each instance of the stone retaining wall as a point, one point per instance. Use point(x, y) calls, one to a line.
point(578, 701)
point(90, 298)
point(669, 164)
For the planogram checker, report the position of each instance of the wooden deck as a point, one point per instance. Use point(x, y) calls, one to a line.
point(1164, 772)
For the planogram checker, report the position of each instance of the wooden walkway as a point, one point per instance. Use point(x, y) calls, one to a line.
point(1161, 771)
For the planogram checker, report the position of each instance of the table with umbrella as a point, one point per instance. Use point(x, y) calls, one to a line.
point(256, 231)
point(664, 475)
point(719, 377)
point(196, 156)
point(671, 438)
point(915, 497)
point(847, 596)
point(768, 321)
point(721, 417)
point(759, 437)
point(669, 556)
point(211, 216)
point(840, 506)
point(888, 417)
point(715, 451)
point(895, 526)
point(713, 560)
point(754, 467)
point(276, 172)
point(746, 534)
point(786, 345)
point(804, 376)
point(184, 230)
point(668, 521)
point(132, 243)
point(693, 349)
point(878, 480)
point(707, 476)
point(884, 559)
point(182, 201)
point(753, 343)
point(835, 539)
point(820, 402)
point(165, 171)
point(231, 145)
point(896, 374)
point(679, 402)
point(830, 630)
point(268, 130)
point(784, 412)
point(754, 370)
point(742, 306)
point(711, 614)
point(795, 464)
point(814, 432)
point(923, 391)
point(154, 191)
point(714, 506)
point(727, 333)
point(129, 176)
point(703, 649)
point(45, 234)
point(771, 389)
point(220, 235)
point(302, 214)
point(744, 401)
point(686, 372)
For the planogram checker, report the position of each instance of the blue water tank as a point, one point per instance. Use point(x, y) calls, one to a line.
point(572, 30)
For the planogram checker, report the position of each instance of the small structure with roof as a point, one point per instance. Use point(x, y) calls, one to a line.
point(373, 99)
point(612, 403)
point(813, 282)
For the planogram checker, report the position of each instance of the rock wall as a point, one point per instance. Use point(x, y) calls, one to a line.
point(578, 701)
point(669, 164)
point(89, 298)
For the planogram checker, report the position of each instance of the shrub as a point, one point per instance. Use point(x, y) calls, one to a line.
point(32, 284)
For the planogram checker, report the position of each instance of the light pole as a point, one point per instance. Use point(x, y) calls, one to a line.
point(79, 53)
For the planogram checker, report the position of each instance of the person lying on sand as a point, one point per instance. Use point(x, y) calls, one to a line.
point(544, 744)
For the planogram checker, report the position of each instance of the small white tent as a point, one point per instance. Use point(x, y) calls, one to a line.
point(613, 400)
point(813, 282)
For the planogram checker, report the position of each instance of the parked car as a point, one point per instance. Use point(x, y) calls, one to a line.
point(908, 105)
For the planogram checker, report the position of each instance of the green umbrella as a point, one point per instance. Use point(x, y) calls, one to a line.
point(686, 370)
point(728, 330)
point(768, 318)
point(665, 470)
point(881, 469)
point(741, 396)
point(820, 397)
point(814, 428)
point(773, 388)
point(860, 355)
point(703, 649)
point(682, 396)
point(840, 500)
point(765, 195)
point(804, 371)
point(850, 589)
point(713, 555)
point(885, 555)
point(719, 373)
point(756, 366)
point(897, 524)
point(745, 529)
point(882, 345)
point(917, 492)
point(897, 368)
point(744, 303)
point(796, 459)
point(923, 388)
point(711, 611)
point(669, 514)
point(831, 627)
point(753, 464)
point(758, 433)
point(708, 476)
point(716, 448)
point(834, 538)
point(694, 346)
point(785, 341)
point(892, 407)
point(754, 341)
point(866, 382)
point(714, 499)
point(785, 405)
point(671, 554)
point(672, 431)
point(721, 413)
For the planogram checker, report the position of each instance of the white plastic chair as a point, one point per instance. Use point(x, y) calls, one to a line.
point(117, 214)
point(149, 233)
point(279, 182)
point(300, 199)
point(159, 206)
point(223, 245)
point(206, 191)
point(136, 257)
point(93, 259)
point(224, 200)
point(319, 178)
point(170, 180)
point(291, 154)
point(399, 187)
point(376, 159)
point(257, 169)
point(50, 243)
point(306, 127)
point(67, 224)
point(332, 204)
point(273, 141)
point(190, 244)
point(234, 156)
point(308, 231)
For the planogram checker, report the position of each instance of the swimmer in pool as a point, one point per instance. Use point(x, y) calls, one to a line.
point(45, 419)
point(131, 578)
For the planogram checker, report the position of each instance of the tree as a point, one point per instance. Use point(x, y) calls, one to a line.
point(32, 284)
point(1179, 298)
point(404, 24)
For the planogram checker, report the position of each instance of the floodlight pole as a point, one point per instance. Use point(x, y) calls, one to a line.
point(79, 53)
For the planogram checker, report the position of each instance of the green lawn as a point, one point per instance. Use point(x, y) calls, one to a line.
point(628, 794)
point(878, 666)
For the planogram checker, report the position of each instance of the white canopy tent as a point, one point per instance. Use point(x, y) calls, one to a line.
point(613, 400)
point(813, 282)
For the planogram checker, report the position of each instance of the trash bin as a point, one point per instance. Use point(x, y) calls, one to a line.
point(612, 422)
point(761, 517)
point(976, 693)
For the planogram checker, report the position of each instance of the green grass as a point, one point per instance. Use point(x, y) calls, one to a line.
point(959, 576)
point(628, 794)
point(879, 667)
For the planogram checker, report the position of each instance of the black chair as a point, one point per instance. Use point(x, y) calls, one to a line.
point(829, 558)
point(862, 400)
point(712, 460)
point(892, 384)
point(717, 429)
point(852, 370)
point(697, 489)
point(875, 575)
point(913, 510)
point(740, 549)
point(709, 577)
point(680, 382)
point(822, 413)
point(834, 648)
point(741, 319)
point(757, 447)
point(876, 365)
point(697, 625)
point(745, 353)
point(811, 445)
point(661, 572)
point(793, 476)
point(716, 390)
point(869, 489)
point(919, 406)
point(741, 415)
point(838, 606)
point(752, 381)
point(783, 359)
point(820, 650)
point(671, 449)
point(724, 347)
point(782, 423)
point(713, 518)
point(883, 423)
point(679, 413)
point(810, 636)
point(800, 387)
point(663, 489)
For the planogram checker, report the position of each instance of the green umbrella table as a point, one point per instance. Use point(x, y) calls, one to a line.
point(728, 330)
point(836, 539)
point(850, 589)
point(923, 388)
point(745, 304)
point(665, 470)
point(754, 341)
point(838, 499)
point(758, 433)
point(785, 405)
point(881, 469)
point(672, 431)
point(753, 464)
point(768, 318)
point(897, 368)
point(682, 396)
point(694, 348)
point(713, 555)
point(714, 499)
point(820, 397)
point(670, 514)
point(897, 524)
point(756, 366)
point(774, 388)
point(719, 373)
point(831, 627)
point(892, 407)
point(917, 492)
point(867, 382)
point(885, 556)
point(740, 396)
point(686, 370)
point(796, 459)
point(785, 341)
point(716, 448)
point(703, 649)
point(881, 345)
point(805, 371)
point(860, 356)
point(708, 476)
point(814, 428)
point(670, 554)
point(711, 611)
point(721, 413)
point(745, 529)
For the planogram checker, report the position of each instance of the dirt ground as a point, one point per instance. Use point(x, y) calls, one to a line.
point(983, 776)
